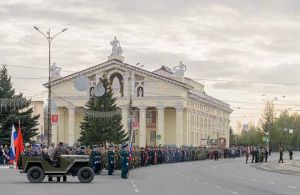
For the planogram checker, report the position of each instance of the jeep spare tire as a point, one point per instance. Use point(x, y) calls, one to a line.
point(85, 175)
point(35, 175)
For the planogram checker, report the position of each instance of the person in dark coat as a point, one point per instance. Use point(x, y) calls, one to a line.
point(124, 161)
point(291, 154)
point(46, 156)
point(60, 150)
point(266, 155)
point(96, 159)
point(216, 154)
point(111, 160)
point(280, 155)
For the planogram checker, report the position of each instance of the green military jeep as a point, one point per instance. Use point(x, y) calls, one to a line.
point(37, 167)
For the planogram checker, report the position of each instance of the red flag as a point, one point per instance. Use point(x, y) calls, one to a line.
point(19, 145)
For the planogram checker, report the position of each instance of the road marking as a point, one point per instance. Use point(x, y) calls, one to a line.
point(195, 179)
point(254, 179)
point(232, 175)
point(216, 186)
point(233, 192)
point(271, 182)
point(136, 190)
point(134, 185)
point(292, 187)
point(242, 177)
point(205, 182)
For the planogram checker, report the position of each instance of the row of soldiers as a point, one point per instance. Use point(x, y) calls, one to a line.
point(111, 158)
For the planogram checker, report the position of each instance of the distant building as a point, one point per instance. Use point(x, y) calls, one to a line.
point(38, 109)
point(169, 108)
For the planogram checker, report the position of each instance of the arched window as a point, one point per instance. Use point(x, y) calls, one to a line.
point(140, 91)
point(92, 91)
point(116, 80)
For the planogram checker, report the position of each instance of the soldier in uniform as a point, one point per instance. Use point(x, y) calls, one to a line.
point(111, 159)
point(117, 158)
point(96, 159)
point(60, 150)
point(124, 161)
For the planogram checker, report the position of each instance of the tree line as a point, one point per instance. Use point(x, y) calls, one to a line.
point(279, 127)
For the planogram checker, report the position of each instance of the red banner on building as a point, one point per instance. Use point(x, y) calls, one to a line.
point(54, 118)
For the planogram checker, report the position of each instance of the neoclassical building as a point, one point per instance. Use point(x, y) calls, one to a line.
point(168, 108)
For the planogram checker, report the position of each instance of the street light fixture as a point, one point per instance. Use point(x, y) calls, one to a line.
point(49, 39)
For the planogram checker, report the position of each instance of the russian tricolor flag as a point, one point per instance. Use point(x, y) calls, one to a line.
point(13, 143)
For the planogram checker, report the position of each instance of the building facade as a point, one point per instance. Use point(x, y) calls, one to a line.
point(38, 109)
point(168, 108)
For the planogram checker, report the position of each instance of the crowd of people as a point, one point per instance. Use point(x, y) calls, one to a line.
point(110, 158)
point(101, 157)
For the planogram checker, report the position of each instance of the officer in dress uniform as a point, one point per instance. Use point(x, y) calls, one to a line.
point(111, 159)
point(96, 159)
point(124, 161)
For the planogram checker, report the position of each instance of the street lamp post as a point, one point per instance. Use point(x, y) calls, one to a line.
point(49, 39)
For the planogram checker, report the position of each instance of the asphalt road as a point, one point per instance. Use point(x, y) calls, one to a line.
point(230, 176)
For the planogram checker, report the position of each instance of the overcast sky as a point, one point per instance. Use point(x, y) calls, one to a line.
point(219, 41)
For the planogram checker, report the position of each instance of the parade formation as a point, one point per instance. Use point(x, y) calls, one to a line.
point(51, 160)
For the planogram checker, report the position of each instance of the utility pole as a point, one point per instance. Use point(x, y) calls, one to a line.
point(49, 39)
point(130, 117)
point(130, 112)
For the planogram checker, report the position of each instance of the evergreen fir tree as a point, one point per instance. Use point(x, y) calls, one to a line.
point(97, 128)
point(12, 109)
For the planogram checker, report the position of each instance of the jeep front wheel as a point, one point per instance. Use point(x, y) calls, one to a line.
point(35, 175)
point(85, 175)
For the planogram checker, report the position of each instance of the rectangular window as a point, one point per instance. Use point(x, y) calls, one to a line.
point(149, 118)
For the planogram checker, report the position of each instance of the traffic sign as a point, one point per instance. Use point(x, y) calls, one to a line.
point(265, 139)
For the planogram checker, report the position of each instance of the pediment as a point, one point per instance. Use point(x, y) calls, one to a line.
point(115, 65)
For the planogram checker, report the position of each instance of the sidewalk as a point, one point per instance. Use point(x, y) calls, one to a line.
point(288, 167)
point(6, 166)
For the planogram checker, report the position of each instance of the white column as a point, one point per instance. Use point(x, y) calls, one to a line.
point(161, 124)
point(71, 126)
point(187, 127)
point(142, 127)
point(125, 84)
point(125, 118)
point(133, 85)
point(179, 126)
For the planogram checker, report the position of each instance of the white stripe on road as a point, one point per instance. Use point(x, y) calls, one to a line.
point(216, 186)
point(205, 182)
point(271, 182)
point(292, 187)
point(233, 192)
point(136, 190)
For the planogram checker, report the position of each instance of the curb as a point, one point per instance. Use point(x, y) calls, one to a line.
point(280, 171)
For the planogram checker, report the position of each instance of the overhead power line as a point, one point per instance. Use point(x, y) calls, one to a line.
point(193, 78)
